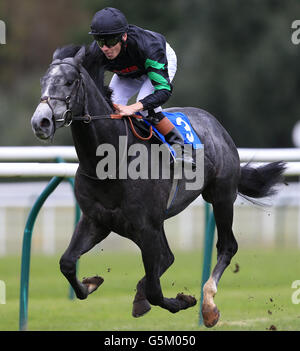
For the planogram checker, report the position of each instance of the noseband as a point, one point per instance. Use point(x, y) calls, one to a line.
point(67, 116)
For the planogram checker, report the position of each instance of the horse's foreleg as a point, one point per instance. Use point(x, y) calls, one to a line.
point(152, 254)
point(85, 237)
point(140, 303)
point(226, 249)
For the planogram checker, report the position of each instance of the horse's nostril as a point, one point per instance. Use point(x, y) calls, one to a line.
point(45, 123)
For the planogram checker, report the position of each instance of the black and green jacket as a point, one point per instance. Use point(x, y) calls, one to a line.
point(144, 52)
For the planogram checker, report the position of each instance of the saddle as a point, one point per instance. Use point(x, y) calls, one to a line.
point(178, 119)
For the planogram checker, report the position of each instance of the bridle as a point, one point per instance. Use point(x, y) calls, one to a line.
point(68, 117)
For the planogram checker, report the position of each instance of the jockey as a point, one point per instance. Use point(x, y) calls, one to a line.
point(143, 63)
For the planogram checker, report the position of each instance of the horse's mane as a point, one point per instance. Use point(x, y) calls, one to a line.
point(67, 51)
point(92, 63)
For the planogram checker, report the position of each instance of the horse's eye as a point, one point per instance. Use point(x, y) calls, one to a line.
point(69, 82)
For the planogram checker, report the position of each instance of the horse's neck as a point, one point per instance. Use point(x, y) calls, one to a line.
point(96, 102)
point(87, 137)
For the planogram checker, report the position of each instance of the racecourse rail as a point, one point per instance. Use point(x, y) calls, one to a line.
point(18, 161)
point(61, 163)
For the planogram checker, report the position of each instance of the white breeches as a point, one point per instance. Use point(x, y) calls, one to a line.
point(125, 88)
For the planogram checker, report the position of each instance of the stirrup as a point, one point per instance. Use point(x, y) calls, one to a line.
point(184, 157)
point(186, 160)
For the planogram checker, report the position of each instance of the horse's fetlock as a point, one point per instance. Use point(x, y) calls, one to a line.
point(154, 299)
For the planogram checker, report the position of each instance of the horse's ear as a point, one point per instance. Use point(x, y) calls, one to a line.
point(79, 57)
point(55, 54)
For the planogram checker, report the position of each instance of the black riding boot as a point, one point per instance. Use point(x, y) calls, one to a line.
point(172, 136)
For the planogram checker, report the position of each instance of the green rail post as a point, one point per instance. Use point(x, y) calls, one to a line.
point(209, 232)
point(77, 217)
point(25, 264)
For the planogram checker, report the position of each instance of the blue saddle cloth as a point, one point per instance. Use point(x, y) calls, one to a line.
point(183, 125)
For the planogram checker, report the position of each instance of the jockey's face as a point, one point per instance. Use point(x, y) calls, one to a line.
point(113, 51)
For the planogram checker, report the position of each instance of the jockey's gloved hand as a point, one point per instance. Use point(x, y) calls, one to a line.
point(154, 117)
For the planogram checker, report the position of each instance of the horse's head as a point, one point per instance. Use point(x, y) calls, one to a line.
point(61, 95)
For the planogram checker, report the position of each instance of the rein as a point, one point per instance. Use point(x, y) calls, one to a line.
point(68, 117)
point(88, 119)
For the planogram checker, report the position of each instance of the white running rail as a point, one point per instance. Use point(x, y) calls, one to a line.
point(18, 161)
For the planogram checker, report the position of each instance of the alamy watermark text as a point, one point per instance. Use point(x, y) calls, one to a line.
point(140, 163)
point(295, 38)
point(2, 293)
point(2, 32)
point(296, 293)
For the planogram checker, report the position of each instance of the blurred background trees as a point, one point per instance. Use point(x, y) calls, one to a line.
point(235, 60)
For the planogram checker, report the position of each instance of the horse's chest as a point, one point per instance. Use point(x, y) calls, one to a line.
point(116, 219)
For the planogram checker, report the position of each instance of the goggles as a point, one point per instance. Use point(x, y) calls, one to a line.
point(109, 41)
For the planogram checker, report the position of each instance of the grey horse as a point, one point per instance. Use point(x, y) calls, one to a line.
point(73, 94)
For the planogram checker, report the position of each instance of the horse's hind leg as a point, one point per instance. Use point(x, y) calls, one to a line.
point(85, 237)
point(140, 303)
point(226, 249)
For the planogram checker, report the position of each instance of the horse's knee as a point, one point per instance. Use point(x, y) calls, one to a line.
point(67, 265)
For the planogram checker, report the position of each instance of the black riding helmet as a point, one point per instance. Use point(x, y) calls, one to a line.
point(108, 22)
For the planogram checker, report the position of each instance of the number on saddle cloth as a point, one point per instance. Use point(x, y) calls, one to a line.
point(183, 125)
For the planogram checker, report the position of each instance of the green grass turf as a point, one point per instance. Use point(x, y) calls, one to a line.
point(254, 298)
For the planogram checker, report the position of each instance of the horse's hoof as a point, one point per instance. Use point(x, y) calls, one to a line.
point(140, 308)
point(186, 300)
point(210, 316)
point(92, 283)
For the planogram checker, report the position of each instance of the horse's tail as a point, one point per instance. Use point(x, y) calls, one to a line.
point(261, 182)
